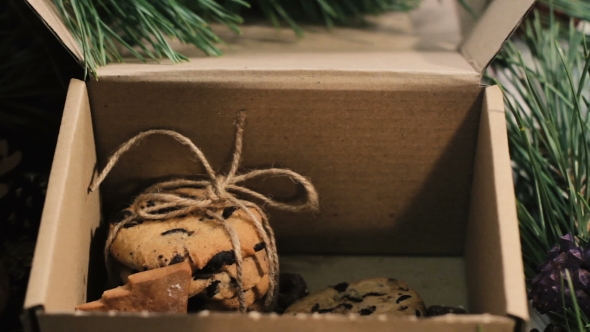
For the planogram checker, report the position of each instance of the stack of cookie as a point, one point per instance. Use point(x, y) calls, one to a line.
point(201, 241)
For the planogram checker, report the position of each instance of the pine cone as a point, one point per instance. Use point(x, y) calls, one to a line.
point(546, 291)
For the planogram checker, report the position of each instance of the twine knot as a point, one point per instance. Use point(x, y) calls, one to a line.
point(160, 201)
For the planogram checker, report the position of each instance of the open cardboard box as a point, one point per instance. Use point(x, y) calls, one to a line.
point(408, 153)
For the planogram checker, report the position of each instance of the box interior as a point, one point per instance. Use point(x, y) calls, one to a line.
point(393, 162)
point(408, 152)
point(391, 140)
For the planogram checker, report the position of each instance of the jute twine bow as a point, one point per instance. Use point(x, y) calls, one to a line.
point(164, 203)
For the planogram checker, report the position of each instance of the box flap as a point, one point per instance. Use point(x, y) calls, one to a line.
point(493, 28)
point(70, 214)
point(50, 16)
point(496, 279)
point(479, 47)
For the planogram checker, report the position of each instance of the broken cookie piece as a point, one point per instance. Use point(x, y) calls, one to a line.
point(364, 297)
point(158, 290)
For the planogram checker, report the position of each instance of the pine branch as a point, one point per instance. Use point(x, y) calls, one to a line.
point(547, 95)
point(103, 28)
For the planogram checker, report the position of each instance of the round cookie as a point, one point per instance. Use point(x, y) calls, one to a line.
point(199, 240)
point(364, 297)
point(196, 238)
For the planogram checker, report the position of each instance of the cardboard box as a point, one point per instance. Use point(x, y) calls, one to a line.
point(408, 153)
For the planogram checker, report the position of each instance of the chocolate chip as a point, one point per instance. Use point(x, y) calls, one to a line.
point(373, 294)
point(315, 307)
point(177, 230)
point(120, 216)
point(344, 305)
point(402, 298)
point(176, 259)
point(404, 289)
point(234, 282)
point(367, 311)
point(200, 276)
point(259, 246)
point(341, 287)
point(402, 308)
point(212, 289)
point(325, 311)
point(228, 211)
point(418, 313)
point(352, 299)
point(218, 261)
point(161, 256)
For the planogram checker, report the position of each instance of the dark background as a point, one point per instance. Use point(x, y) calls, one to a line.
point(34, 73)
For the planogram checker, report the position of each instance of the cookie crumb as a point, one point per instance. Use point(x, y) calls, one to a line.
point(367, 311)
point(228, 211)
point(176, 259)
point(402, 298)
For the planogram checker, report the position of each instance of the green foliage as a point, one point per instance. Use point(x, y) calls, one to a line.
point(547, 104)
point(572, 8)
point(547, 95)
point(103, 28)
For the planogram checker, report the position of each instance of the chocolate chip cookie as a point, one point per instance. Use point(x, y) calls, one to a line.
point(364, 297)
point(195, 238)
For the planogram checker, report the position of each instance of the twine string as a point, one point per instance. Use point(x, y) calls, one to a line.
point(160, 202)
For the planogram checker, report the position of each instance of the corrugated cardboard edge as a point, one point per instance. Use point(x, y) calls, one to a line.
point(46, 10)
point(38, 281)
point(493, 29)
point(515, 288)
point(496, 199)
point(255, 322)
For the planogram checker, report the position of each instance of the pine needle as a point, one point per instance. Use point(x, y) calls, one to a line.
point(104, 29)
point(546, 97)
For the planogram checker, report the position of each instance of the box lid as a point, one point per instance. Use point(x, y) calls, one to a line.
point(480, 42)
